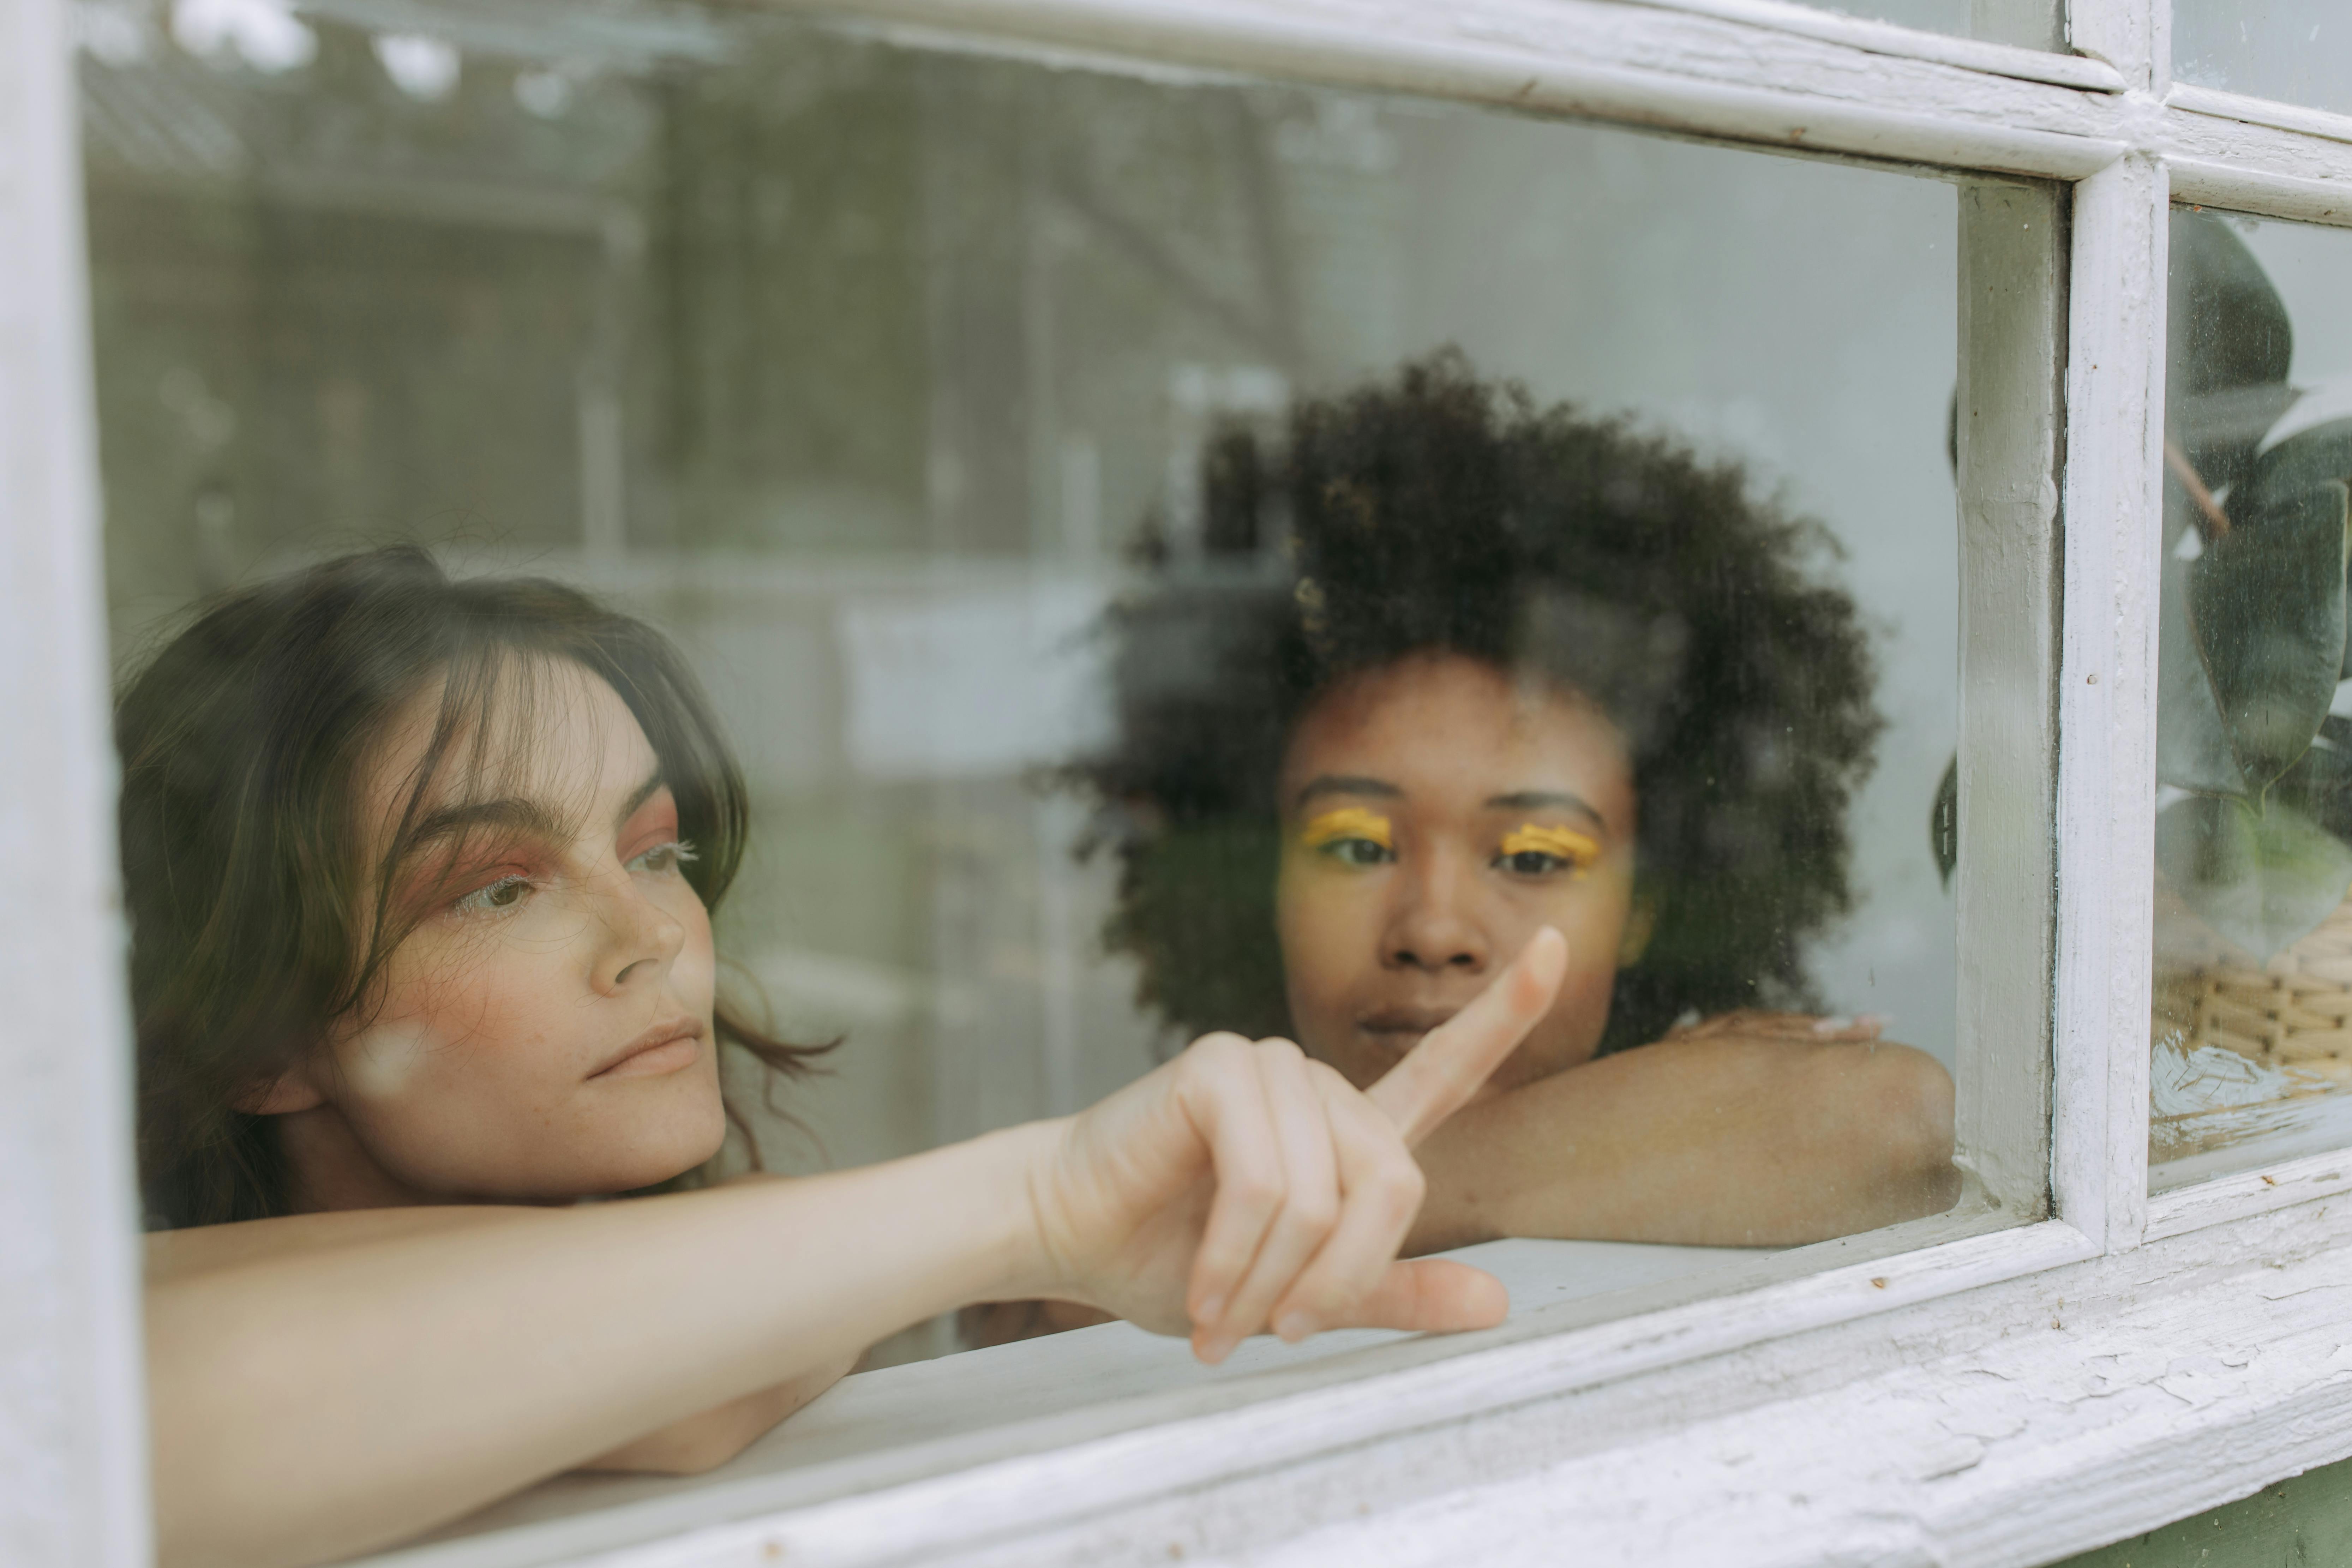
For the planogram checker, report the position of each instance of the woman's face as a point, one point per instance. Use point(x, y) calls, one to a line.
point(545, 1031)
point(1436, 814)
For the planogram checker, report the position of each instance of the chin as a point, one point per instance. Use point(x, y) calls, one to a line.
point(668, 1148)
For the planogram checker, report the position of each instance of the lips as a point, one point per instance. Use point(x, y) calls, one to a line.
point(1401, 1022)
point(665, 1047)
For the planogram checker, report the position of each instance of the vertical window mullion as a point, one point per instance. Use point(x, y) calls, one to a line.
point(2106, 702)
point(2007, 421)
point(73, 1470)
point(2132, 36)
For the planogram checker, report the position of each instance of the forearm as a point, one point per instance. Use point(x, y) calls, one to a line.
point(313, 1405)
point(1720, 1143)
point(711, 1438)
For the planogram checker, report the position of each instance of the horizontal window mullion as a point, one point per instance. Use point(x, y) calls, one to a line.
point(1639, 64)
point(2268, 170)
point(1705, 67)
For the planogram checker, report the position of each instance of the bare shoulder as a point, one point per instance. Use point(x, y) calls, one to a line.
point(200, 1249)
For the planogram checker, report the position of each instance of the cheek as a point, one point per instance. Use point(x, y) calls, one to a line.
point(1593, 921)
point(382, 1063)
point(1324, 927)
point(442, 1005)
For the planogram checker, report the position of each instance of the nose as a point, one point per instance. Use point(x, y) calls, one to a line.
point(1434, 925)
point(637, 938)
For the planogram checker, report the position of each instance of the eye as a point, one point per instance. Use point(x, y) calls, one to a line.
point(1533, 862)
point(667, 857)
point(506, 893)
point(1352, 837)
point(1357, 851)
point(1536, 851)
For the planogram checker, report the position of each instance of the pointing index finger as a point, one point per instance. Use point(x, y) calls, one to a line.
point(1438, 1076)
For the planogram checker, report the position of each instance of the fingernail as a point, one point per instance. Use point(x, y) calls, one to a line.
point(1294, 1327)
point(1874, 1020)
point(1210, 1310)
point(1831, 1025)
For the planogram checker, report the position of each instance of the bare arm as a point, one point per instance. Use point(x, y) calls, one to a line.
point(348, 1393)
point(1722, 1138)
point(362, 1380)
point(698, 1443)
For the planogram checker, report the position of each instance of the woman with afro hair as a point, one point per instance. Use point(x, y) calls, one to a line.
point(1447, 668)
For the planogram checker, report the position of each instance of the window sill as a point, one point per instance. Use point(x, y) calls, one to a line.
point(929, 1417)
point(1999, 1398)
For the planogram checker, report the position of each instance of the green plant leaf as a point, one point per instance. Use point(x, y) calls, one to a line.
point(2192, 744)
point(2261, 877)
point(2266, 608)
point(2319, 785)
point(2227, 348)
point(2306, 461)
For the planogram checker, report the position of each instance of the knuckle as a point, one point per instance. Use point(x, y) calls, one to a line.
point(1213, 1057)
point(1410, 1179)
point(1259, 1194)
point(1401, 1191)
point(1318, 1213)
point(1335, 1294)
point(1327, 1075)
point(1277, 1049)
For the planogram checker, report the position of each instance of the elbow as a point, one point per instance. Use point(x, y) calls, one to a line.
point(1909, 1104)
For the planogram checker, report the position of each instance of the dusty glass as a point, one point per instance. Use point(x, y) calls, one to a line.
point(1089, 500)
point(2299, 51)
point(2253, 942)
point(2032, 24)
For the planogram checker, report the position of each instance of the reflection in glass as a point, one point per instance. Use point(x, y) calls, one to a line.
point(2030, 24)
point(2299, 51)
point(922, 397)
point(1450, 668)
point(2253, 955)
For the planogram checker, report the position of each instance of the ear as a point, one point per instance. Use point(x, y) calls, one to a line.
point(1641, 924)
point(289, 1091)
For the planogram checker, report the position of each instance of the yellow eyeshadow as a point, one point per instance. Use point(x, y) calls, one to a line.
point(1348, 822)
point(1566, 843)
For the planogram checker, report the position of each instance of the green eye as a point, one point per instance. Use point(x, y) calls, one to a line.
point(503, 894)
point(663, 858)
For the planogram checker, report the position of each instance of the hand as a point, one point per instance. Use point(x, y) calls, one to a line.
point(1242, 1186)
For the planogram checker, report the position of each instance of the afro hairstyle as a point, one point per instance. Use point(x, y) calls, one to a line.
point(1441, 513)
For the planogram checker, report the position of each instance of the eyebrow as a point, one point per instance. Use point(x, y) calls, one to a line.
point(1544, 800)
point(1381, 789)
point(1343, 784)
point(520, 814)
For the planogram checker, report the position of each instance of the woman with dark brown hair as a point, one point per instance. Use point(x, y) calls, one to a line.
point(420, 875)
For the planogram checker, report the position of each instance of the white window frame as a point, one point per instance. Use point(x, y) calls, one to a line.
point(2008, 1396)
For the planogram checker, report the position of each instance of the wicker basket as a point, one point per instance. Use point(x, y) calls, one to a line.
point(2293, 1012)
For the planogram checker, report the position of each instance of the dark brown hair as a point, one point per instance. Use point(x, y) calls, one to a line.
point(1442, 513)
point(256, 921)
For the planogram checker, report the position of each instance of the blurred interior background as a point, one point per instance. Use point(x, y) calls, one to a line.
point(856, 359)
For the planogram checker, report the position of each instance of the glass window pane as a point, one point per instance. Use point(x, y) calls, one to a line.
point(2030, 24)
point(1168, 558)
point(2299, 51)
point(2253, 940)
